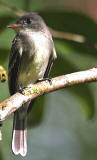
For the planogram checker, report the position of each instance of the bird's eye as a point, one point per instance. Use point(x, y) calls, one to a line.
point(28, 21)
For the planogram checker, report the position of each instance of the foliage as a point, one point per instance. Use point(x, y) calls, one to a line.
point(58, 129)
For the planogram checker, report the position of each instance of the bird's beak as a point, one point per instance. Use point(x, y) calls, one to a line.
point(15, 26)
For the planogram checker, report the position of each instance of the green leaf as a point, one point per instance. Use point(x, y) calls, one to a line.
point(82, 92)
point(36, 112)
point(4, 21)
point(71, 22)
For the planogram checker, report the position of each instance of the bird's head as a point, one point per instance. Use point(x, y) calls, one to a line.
point(30, 22)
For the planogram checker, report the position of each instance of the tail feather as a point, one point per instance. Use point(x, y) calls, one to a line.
point(19, 139)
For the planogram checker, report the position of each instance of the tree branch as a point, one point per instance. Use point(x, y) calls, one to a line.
point(31, 92)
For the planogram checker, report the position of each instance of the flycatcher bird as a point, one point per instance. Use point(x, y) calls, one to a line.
point(31, 57)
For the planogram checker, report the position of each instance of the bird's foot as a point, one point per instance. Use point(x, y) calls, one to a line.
point(21, 89)
point(24, 90)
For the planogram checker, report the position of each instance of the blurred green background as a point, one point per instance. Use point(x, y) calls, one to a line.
point(63, 124)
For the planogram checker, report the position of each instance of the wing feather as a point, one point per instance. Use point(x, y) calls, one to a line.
point(13, 68)
point(52, 57)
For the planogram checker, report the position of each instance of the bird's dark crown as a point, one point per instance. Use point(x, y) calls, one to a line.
point(31, 20)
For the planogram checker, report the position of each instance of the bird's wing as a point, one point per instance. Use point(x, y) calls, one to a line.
point(13, 68)
point(52, 57)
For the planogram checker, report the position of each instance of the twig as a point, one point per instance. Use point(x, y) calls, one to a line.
point(55, 34)
point(18, 12)
point(13, 103)
point(67, 36)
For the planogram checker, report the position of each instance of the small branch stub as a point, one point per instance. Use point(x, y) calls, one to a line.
point(3, 74)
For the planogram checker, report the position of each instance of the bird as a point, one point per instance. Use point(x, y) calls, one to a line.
point(31, 57)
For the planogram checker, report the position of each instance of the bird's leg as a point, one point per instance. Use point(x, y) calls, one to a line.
point(45, 79)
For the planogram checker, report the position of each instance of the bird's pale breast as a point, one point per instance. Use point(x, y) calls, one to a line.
point(36, 59)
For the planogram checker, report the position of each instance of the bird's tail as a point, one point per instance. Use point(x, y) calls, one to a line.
point(19, 139)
